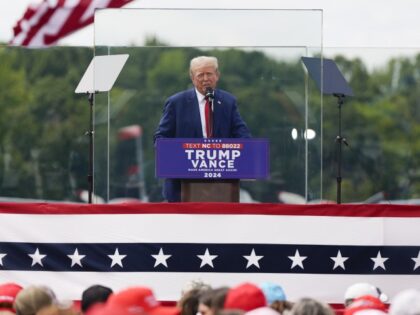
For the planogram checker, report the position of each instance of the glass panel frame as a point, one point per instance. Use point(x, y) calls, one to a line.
point(275, 38)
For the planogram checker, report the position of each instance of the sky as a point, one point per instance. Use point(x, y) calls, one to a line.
point(387, 24)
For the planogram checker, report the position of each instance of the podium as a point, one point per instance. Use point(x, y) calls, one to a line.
point(210, 169)
point(196, 190)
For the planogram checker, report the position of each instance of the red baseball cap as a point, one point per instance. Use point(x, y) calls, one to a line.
point(105, 309)
point(8, 292)
point(364, 303)
point(141, 299)
point(246, 297)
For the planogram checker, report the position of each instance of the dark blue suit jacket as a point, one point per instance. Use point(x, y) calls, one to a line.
point(181, 119)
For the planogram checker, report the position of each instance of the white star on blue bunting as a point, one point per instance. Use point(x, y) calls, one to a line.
point(183, 257)
point(37, 258)
point(297, 260)
point(117, 258)
point(416, 261)
point(2, 255)
point(207, 259)
point(379, 261)
point(161, 258)
point(253, 259)
point(339, 261)
point(76, 259)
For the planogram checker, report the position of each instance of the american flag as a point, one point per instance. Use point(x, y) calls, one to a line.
point(47, 21)
point(315, 251)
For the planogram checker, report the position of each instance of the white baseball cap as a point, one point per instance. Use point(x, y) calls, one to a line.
point(363, 288)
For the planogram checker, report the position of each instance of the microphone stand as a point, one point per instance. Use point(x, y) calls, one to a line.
point(339, 139)
point(331, 81)
point(90, 133)
point(211, 101)
point(210, 98)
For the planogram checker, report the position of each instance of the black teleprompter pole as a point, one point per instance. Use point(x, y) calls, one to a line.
point(329, 80)
point(340, 140)
point(90, 133)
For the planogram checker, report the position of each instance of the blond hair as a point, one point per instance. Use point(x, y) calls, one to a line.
point(203, 60)
point(56, 310)
point(33, 298)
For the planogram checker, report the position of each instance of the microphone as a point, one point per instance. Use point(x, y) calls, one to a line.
point(209, 94)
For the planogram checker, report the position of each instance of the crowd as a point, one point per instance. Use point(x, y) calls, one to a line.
point(199, 298)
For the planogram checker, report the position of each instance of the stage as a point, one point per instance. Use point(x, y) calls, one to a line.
point(311, 250)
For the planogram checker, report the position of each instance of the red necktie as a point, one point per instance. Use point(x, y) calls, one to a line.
point(207, 112)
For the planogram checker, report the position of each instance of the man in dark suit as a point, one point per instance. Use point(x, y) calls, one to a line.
point(184, 114)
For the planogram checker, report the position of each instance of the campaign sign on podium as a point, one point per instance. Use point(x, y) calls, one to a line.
point(198, 158)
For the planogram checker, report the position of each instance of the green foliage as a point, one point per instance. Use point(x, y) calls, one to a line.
point(43, 150)
point(40, 120)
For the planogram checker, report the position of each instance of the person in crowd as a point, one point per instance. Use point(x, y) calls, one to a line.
point(189, 302)
point(218, 299)
point(94, 294)
point(406, 302)
point(106, 309)
point(8, 292)
point(191, 293)
point(32, 299)
point(359, 289)
point(245, 297)
point(366, 305)
point(263, 311)
point(201, 112)
point(309, 306)
point(276, 298)
point(58, 310)
point(230, 312)
point(205, 303)
point(141, 300)
point(195, 284)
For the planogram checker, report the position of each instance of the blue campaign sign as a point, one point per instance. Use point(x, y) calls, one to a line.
point(212, 158)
